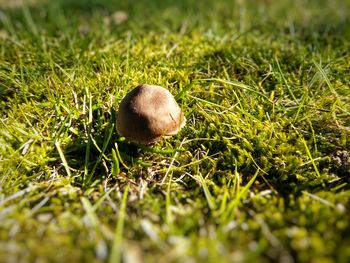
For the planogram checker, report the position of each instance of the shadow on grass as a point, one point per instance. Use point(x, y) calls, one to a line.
point(90, 153)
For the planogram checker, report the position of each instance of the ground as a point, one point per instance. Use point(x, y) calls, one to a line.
point(260, 172)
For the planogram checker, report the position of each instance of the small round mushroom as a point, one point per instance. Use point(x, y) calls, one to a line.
point(148, 113)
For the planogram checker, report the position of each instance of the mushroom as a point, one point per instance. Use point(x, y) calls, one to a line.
point(148, 113)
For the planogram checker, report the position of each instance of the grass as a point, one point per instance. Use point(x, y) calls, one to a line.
point(260, 173)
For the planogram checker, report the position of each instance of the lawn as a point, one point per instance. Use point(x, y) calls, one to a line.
point(260, 172)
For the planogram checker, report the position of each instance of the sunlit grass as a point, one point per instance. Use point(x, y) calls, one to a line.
point(259, 173)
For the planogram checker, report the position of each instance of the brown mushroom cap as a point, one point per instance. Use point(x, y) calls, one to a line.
point(148, 113)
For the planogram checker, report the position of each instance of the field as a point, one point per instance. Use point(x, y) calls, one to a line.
point(260, 172)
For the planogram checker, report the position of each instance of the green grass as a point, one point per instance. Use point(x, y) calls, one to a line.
point(260, 173)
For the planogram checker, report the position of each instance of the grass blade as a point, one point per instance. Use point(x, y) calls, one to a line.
point(169, 214)
point(238, 196)
point(239, 85)
point(207, 193)
point(63, 159)
point(285, 81)
point(325, 77)
point(183, 91)
point(115, 164)
point(311, 158)
point(116, 250)
point(87, 177)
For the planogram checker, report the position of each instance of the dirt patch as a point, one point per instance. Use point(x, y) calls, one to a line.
point(341, 162)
